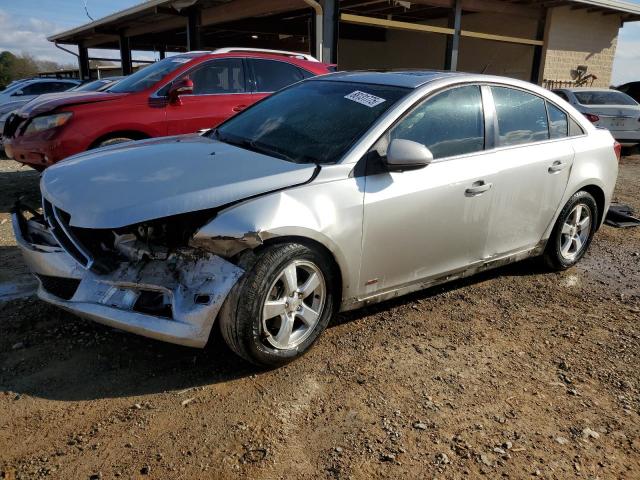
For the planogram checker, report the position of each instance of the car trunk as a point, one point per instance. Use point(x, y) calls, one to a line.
point(616, 117)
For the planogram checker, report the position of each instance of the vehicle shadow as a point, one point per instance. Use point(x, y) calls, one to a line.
point(49, 353)
point(15, 184)
point(532, 266)
point(52, 354)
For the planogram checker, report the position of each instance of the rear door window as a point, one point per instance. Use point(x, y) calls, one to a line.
point(558, 123)
point(611, 97)
point(37, 88)
point(218, 77)
point(522, 117)
point(271, 75)
point(449, 123)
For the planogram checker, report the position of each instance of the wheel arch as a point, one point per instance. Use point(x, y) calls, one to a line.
point(131, 133)
point(315, 244)
point(598, 195)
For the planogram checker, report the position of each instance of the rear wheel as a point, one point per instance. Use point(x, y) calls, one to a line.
point(573, 232)
point(280, 306)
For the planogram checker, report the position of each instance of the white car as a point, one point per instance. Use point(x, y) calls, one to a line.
point(29, 89)
point(616, 111)
point(337, 192)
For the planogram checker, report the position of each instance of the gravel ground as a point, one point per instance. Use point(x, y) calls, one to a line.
point(514, 373)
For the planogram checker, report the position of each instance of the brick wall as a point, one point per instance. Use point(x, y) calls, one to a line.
point(578, 37)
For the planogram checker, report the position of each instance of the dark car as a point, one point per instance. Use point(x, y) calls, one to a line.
point(632, 89)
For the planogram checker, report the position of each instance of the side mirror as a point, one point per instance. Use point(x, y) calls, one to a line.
point(407, 155)
point(183, 87)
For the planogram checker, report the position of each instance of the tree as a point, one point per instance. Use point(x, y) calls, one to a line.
point(14, 67)
point(7, 60)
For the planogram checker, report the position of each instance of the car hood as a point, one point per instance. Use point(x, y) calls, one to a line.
point(135, 182)
point(50, 101)
point(11, 106)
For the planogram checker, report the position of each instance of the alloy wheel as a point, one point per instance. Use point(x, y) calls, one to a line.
point(294, 305)
point(575, 232)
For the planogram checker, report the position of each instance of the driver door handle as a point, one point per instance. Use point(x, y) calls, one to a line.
point(477, 188)
point(557, 166)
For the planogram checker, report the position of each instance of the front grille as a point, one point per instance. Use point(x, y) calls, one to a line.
point(64, 288)
point(59, 223)
point(64, 234)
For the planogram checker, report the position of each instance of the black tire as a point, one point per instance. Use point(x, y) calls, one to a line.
point(553, 256)
point(113, 141)
point(241, 315)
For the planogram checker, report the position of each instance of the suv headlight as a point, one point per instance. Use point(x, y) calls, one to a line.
point(46, 122)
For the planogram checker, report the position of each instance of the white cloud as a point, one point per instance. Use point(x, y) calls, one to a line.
point(30, 36)
point(626, 66)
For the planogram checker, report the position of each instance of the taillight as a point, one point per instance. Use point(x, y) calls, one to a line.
point(617, 148)
point(591, 117)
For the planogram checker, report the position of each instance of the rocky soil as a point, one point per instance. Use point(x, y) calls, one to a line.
point(515, 373)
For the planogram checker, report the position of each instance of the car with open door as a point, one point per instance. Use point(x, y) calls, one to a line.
point(340, 191)
point(181, 94)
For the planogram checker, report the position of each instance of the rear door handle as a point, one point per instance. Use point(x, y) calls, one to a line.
point(477, 188)
point(557, 166)
point(239, 108)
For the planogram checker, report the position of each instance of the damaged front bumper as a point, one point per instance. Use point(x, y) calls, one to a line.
point(174, 300)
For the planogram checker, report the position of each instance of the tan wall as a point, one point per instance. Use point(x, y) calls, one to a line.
point(497, 58)
point(577, 37)
point(405, 49)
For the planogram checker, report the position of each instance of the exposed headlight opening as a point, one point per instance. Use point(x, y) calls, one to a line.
point(46, 122)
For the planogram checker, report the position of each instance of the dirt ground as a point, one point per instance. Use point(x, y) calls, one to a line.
point(515, 373)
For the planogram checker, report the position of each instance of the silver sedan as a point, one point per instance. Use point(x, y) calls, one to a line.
point(337, 192)
point(616, 111)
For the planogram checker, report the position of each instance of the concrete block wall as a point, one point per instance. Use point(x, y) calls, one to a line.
point(579, 37)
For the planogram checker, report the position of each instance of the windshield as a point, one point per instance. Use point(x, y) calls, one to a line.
point(312, 122)
point(604, 98)
point(149, 76)
point(91, 86)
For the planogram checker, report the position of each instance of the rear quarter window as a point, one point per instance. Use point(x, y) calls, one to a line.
point(271, 75)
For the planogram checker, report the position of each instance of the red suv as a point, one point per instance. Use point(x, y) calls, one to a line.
point(180, 94)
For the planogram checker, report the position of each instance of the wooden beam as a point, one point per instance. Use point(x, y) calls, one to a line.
point(240, 9)
point(418, 27)
point(501, 38)
point(168, 24)
point(487, 6)
point(100, 39)
point(393, 24)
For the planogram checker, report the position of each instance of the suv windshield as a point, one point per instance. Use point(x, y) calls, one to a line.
point(604, 98)
point(312, 122)
point(149, 76)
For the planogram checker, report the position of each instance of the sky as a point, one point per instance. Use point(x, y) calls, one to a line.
point(25, 24)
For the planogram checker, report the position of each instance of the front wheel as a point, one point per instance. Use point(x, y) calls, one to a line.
point(573, 232)
point(113, 141)
point(280, 306)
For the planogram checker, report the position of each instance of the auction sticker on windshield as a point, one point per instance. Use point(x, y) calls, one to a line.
point(365, 98)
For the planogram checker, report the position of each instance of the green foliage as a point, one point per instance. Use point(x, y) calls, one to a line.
point(13, 67)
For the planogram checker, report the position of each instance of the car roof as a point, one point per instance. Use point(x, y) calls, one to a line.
point(587, 89)
point(70, 80)
point(394, 78)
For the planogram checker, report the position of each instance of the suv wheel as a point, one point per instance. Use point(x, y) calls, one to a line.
point(573, 232)
point(113, 141)
point(280, 306)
